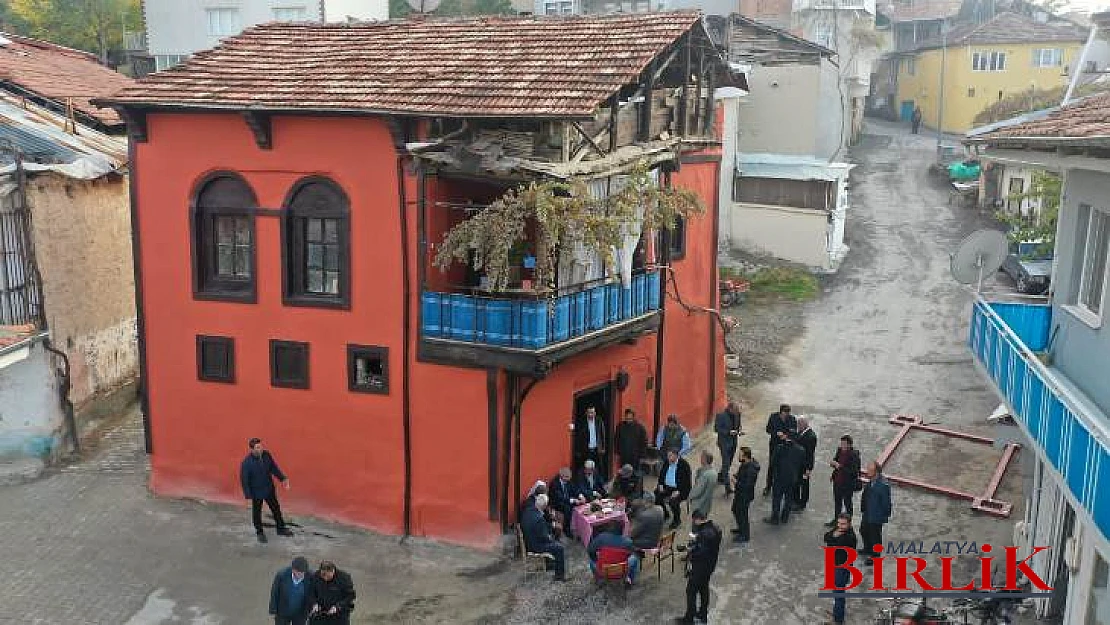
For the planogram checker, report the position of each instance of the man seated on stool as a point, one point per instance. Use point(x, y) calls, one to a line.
point(610, 535)
point(627, 484)
point(538, 537)
point(591, 484)
point(674, 487)
point(563, 496)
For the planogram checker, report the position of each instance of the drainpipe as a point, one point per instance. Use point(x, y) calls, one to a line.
point(517, 405)
point(406, 399)
point(64, 384)
point(1078, 71)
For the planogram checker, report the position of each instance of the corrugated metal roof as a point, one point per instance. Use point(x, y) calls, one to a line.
point(790, 167)
point(46, 145)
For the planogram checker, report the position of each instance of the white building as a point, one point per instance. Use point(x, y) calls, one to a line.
point(176, 29)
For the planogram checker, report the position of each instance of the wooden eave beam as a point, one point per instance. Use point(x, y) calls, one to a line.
point(136, 124)
point(261, 127)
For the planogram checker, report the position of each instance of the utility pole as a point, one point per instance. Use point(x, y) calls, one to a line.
point(940, 91)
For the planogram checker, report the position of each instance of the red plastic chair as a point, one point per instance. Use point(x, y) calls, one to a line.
point(612, 564)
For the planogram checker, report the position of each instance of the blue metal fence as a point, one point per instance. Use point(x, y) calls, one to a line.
point(1003, 337)
point(536, 323)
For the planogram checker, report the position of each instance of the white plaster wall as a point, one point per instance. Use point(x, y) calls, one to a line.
point(30, 411)
point(108, 358)
point(795, 234)
point(340, 10)
point(780, 114)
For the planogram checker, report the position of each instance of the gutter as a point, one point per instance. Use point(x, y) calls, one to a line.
point(406, 391)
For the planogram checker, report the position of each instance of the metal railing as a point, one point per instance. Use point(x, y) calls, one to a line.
point(1003, 337)
point(20, 295)
point(538, 321)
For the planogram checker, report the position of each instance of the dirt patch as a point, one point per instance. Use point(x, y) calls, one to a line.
point(768, 324)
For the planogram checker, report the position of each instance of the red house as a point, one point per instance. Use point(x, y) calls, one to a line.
point(290, 190)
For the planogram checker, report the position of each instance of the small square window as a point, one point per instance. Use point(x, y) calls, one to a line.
point(216, 359)
point(368, 369)
point(288, 364)
point(971, 92)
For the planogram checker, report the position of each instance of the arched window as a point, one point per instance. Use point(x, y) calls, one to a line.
point(316, 241)
point(223, 238)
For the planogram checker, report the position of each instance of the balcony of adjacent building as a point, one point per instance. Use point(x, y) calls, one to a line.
point(1013, 344)
point(526, 322)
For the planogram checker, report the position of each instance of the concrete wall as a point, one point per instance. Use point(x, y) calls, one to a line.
point(340, 10)
point(771, 12)
point(1081, 352)
point(780, 114)
point(834, 124)
point(796, 234)
point(968, 92)
point(30, 411)
point(82, 233)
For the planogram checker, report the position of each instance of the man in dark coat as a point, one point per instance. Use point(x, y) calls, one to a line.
point(701, 561)
point(746, 479)
point(727, 427)
point(257, 473)
point(845, 475)
point(787, 465)
point(538, 537)
point(627, 484)
point(589, 437)
point(807, 438)
point(777, 423)
point(915, 120)
point(631, 440)
point(675, 482)
point(875, 507)
point(591, 484)
point(844, 537)
point(289, 602)
point(647, 524)
point(563, 496)
point(332, 595)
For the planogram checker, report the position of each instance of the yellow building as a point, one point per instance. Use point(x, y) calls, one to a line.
point(984, 63)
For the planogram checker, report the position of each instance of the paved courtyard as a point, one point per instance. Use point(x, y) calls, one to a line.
point(88, 544)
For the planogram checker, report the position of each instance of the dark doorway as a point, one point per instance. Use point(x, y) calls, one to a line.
point(601, 399)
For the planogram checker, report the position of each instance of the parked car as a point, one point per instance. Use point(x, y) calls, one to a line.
point(1030, 266)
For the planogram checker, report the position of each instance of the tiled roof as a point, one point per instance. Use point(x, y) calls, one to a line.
point(1011, 28)
point(57, 73)
point(1088, 118)
point(491, 66)
point(10, 335)
point(921, 10)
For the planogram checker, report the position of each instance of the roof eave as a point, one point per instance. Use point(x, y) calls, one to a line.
point(1046, 142)
point(185, 107)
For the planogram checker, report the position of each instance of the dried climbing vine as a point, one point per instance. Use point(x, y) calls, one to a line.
point(564, 214)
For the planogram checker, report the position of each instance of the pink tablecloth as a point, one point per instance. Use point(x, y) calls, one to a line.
point(583, 521)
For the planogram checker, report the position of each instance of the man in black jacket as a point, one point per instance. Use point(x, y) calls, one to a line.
point(257, 473)
point(786, 465)
point(631, 440)
point(746, 479)
point(332, 595)
point(701, 561)
point(807, 438)
point(842, 537)
point(844, 478)
point(589, 437)
point(727, 427)
point(289, 602)
point(778, 423)
point(538, 536)
point(674, 487)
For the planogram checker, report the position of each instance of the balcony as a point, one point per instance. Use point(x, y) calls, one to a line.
point(1071, 434)
point(528, 332)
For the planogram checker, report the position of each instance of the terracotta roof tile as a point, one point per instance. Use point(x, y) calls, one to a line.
point(57, 73)
point(1085, 119)
point(1011, 28)
point(492, 66)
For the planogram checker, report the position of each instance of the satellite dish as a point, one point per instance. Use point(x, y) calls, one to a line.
point(424, 6)
point(980, 254)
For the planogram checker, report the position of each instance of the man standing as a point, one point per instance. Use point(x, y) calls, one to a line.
point(673, 436)
point(915, 119)
point(332, 595)
point(674, 487)
point(844, 477)
point(289, 594)
point(631, 440)
point(590, 437)
point(257, 473)
point(875, 506)
point(727, 427)
point(701, 496)
point(807, 438)
point(746, 479)
point(700, 564)
point(842, 537)
point(538, 537)
point(786, 465)
point(777, 423)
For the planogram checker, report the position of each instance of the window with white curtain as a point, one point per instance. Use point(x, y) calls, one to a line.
point(1048, 57)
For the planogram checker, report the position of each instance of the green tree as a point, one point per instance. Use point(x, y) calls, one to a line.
point(93, 25)
point(1044, 191)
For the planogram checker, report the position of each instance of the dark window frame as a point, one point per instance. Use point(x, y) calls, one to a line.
point(297, 383)
point(229, 345)
point(356, 351)
point(294, 246)
point(207, 284)
point(676, 239)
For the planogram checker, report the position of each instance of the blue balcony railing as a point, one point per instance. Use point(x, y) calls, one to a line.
point(1004, 337)
point(536, 323)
